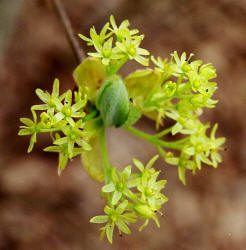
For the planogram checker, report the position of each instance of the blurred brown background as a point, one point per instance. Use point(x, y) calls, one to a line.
point(39, 210)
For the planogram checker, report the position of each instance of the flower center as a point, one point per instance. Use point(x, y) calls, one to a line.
point(113, 218)
point(107, 53)
point(67, 111)
point(132, 50)
point(120, 186)
point(52, 102)
point(149, 192)
point(199, 148)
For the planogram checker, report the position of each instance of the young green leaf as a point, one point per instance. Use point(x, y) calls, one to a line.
point(91, 74)
point(92, 160)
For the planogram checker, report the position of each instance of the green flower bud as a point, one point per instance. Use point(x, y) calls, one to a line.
point(113, 101)
point(144, 211)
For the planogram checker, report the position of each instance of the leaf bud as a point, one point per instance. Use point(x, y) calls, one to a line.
point(113, 101)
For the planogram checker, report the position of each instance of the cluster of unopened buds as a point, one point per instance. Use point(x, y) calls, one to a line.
point(176, 89)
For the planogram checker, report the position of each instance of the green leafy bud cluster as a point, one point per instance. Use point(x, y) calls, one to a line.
point(131, 196)
point(177, 89)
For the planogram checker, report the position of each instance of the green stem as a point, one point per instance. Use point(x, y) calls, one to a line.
point(172, 145)
point(163, 132)
point(153, 140)
point(162, 151)
point(106, 163)
point(91, 115)
point(182, 140)
point(114, 68)
point(140, 134)
point(46, 130)
point(179, 81)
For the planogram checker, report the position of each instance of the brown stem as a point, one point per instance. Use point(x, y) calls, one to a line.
point(64, 19)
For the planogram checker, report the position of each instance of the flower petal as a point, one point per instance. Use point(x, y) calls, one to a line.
point(55, 91)
point(109, 232)
point(123, 227)
point(108, 188)
point(116, 197)
point(138, 164)
point(99, 219)
point(121, 208)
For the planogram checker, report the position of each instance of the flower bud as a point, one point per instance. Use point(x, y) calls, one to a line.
point(144, 211)
point(113, 101)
